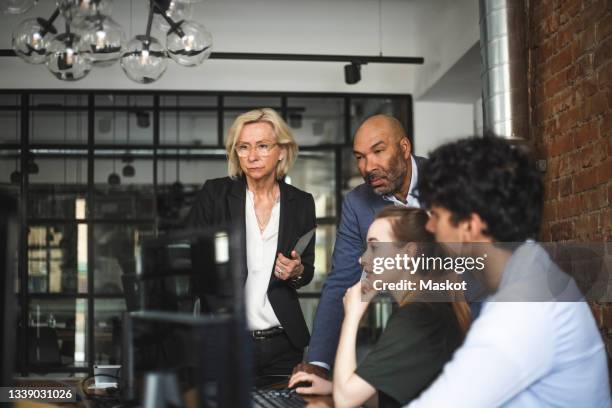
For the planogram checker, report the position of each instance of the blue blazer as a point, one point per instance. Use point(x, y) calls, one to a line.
point(358, 211)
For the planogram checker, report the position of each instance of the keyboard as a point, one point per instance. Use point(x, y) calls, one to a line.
point(284, 398)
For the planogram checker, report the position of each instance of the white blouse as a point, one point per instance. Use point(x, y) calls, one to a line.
point(261, 255)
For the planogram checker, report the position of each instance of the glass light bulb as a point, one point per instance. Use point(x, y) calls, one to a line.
point(178, 10)
point(30, 41)
point(16, 6)
point(78, 10)
point(104, 39)
point(144, 60)
point(68, 58)
point(189, 44)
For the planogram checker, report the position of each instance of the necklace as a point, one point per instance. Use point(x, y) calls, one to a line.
point(261, 224)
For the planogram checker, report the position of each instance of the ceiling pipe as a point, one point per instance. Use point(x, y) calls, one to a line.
point(503, 50)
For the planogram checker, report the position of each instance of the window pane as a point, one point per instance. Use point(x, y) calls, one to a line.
point(57, 334)
point(246, 103)
point(174, 203)
point(189, 100)
point(52, 259)
point(309, 309)
point(10, 99)
point(58, 187)
point(133, 196)
point(350, 173)
point(316, 120)
point(123, 102)
point(326, 236)
point(57, 100)
point(58, 119)
point(313, 172)
point(107, 330)
point(10, 117)
point(116, 251)
point(115, 127)
point(362, 108)
point(195, 126)
point(9, 164)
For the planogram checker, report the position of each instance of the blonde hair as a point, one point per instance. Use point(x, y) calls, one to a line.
point(283, 135)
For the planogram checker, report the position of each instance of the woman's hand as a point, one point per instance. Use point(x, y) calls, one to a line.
point(286, 268)
point(356, 302)
point(320, 386)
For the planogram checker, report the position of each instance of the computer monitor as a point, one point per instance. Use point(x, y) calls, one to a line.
point(201, 269)
point(9, 238)
point(204, 354)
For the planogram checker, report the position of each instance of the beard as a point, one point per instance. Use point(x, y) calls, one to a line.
point(395, 175)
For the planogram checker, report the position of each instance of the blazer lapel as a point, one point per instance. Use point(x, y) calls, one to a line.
point(286, 210)
point(284, 222)
point(236, 202)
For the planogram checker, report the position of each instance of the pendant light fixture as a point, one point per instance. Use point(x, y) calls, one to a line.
point(68, 58)
point(144, 60)
point(32, 37)
point(104, 39)
point(93, 39)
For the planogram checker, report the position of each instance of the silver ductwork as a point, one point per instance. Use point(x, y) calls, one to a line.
point(503, 51)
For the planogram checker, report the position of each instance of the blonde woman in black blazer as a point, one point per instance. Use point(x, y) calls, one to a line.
point(273, 214)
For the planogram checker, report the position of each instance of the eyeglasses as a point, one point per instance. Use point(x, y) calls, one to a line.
point(262, 149)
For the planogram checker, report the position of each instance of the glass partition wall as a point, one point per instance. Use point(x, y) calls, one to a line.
point(98, 172)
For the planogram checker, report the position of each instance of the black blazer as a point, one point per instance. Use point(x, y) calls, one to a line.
point(222, 201)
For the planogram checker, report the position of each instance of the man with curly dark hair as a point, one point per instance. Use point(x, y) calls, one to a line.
point(488, 177)
point(517, 353)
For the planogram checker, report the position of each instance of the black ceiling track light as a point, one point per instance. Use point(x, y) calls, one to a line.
point(352, 73)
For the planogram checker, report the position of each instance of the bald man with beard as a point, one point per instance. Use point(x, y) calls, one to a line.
point(384, 157)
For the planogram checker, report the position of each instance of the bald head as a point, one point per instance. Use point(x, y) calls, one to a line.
point(382, 152)
point(382, 125)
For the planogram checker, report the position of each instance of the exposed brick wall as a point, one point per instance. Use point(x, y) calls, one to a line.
point(570, 85)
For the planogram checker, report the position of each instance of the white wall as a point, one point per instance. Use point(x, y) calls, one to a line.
point(446, 30)
point(436, 123)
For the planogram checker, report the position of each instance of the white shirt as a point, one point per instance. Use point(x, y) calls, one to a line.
point(261, 255)
point(411, 198)
point(526, 354)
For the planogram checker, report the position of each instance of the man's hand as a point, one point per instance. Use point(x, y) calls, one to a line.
point(310, 369)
